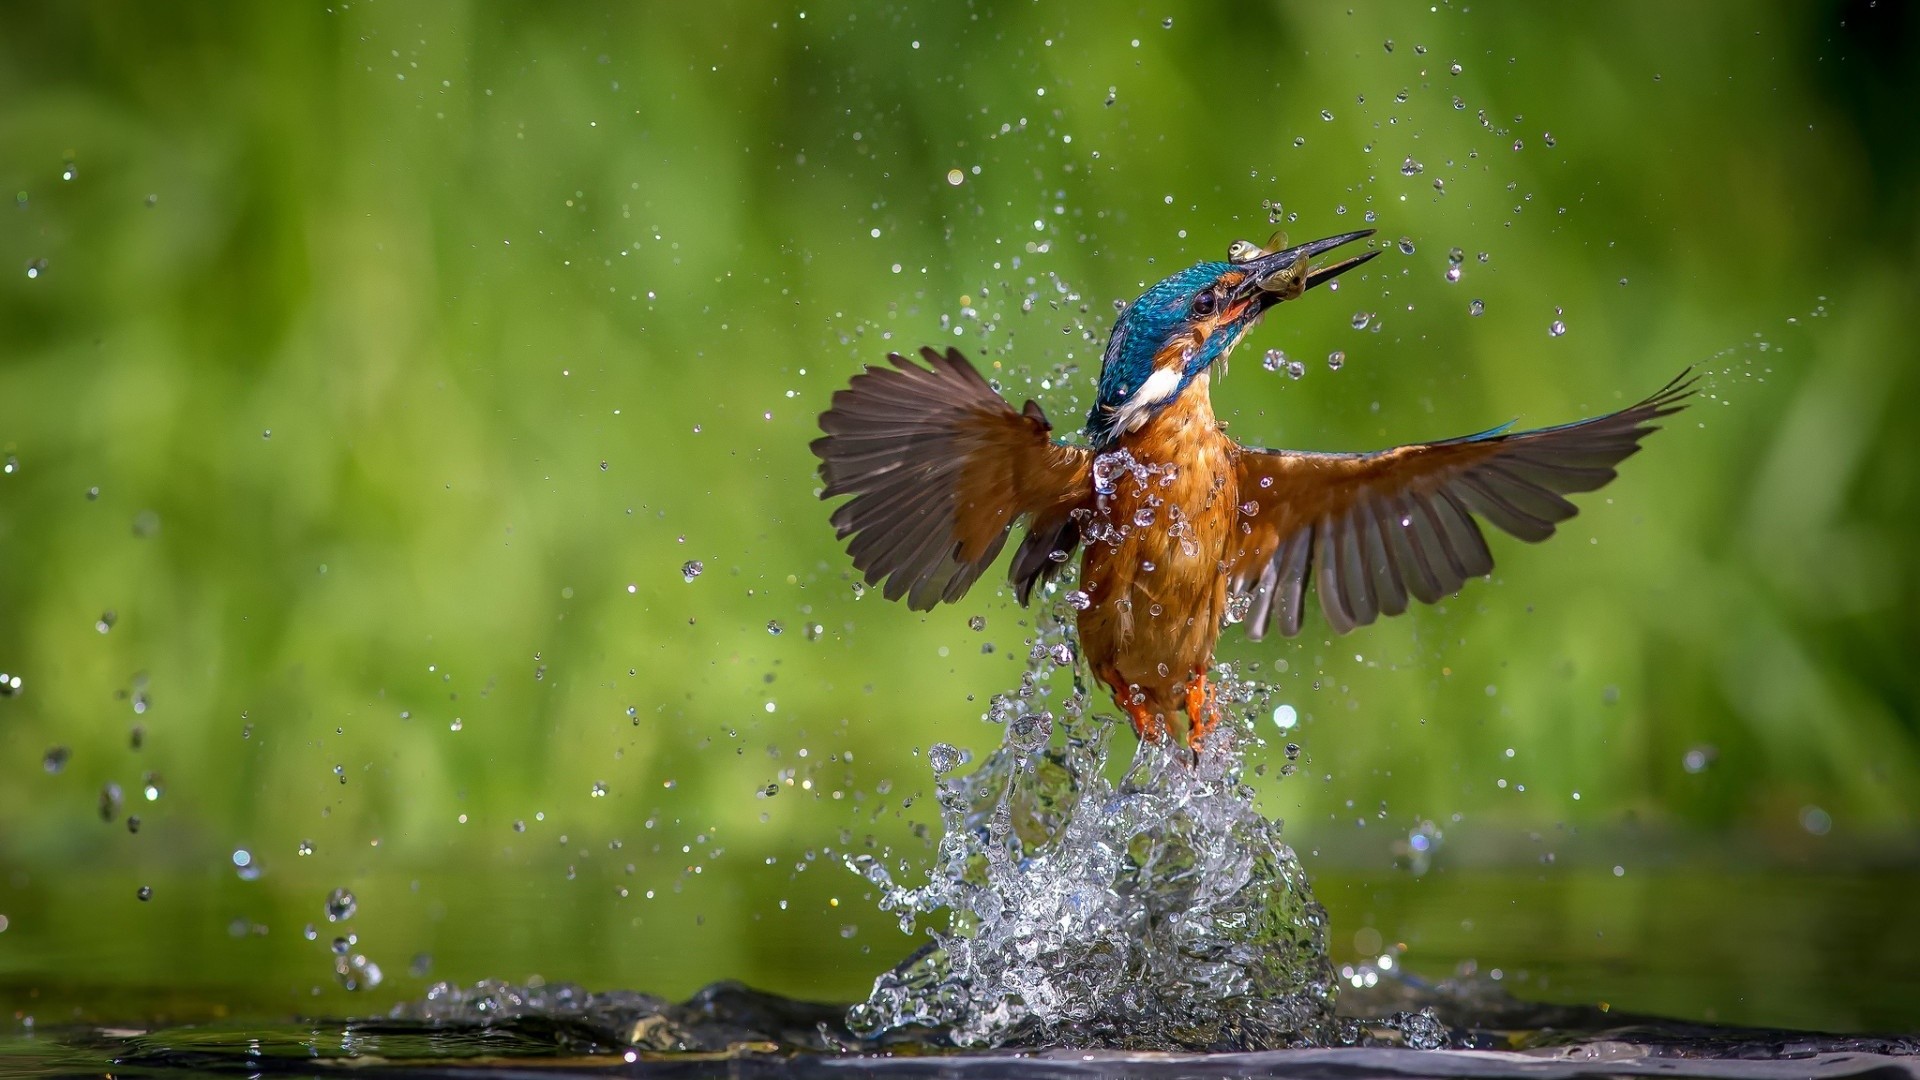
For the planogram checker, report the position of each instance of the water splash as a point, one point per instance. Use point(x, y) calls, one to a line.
point(1078, 899)
point(1158, 911)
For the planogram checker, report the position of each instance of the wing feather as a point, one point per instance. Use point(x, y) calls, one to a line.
point(940, 468)
point(1371, 530)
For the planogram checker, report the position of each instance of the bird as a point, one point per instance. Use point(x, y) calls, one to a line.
point(1181, 530)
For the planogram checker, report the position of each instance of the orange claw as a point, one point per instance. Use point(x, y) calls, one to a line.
point(1149, 725)
point(1203, 712)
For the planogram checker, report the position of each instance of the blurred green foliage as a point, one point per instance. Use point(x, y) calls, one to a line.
point(379, 366)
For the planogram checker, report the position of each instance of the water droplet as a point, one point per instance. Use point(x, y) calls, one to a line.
point(1477, 307)
point(1274, 360)
point(105, 622)
point(341, 905)
point(1454, 68)
point(1548, 139)
point(356, 972)
point(1166, 24)
point(110, 799)
point(1556, 329)
point(976, 623)
point(1030, 732)
point(10, 466)
point(1285, 717)
point(691, 569)
point(145, 893)
point(1296, 369)
point(1062, 654)
point(1452, 275)
point(1335, 359)
point(1143, 517)
point(599, 789)
point(151, 787)
point(35, 268)
point(9, 685)
point(55, 759)
point(1238, 606)
point(944, 757)
point(1455, 256)
point(1326, 114)
point(1815, 821)
point(1517, 144)
point(1411, 167)
point(956, 177)
point(1406, 245)
point(305, 848)
point(1107, 470)
point(1699, 758)
point(1078, 600)
point(1361, 319)
point(774, 627)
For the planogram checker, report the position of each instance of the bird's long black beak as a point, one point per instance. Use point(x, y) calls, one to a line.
point(1285, 274)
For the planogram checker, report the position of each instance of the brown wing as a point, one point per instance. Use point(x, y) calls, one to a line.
point(1369, 530)
point(940, 467)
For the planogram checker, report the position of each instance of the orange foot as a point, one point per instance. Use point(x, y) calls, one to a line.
point(1149, 725)
point(1203, 712)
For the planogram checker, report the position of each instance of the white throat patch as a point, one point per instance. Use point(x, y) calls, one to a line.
point(1159, 387)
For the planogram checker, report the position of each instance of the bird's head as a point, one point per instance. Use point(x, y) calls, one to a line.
point(1175, 331)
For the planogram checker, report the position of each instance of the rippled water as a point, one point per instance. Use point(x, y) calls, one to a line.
point(728, 1030)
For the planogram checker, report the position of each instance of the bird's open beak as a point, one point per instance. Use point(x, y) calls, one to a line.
point(1285, 274)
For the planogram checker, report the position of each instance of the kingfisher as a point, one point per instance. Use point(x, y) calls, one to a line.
point(1181, 530)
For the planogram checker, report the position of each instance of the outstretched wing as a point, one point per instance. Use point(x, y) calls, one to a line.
point(1370, 530)
point(940, 467)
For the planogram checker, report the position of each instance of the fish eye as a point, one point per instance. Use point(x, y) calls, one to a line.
point(1203, 304)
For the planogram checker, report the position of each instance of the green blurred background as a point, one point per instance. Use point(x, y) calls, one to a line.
point(368, 372)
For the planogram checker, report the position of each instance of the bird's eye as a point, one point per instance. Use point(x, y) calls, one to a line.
point(1203, 304)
